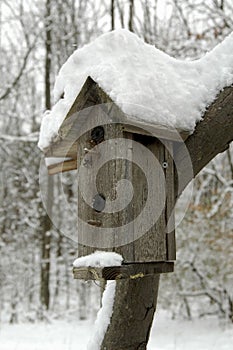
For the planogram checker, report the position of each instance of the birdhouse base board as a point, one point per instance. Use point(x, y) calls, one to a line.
point(130, 270)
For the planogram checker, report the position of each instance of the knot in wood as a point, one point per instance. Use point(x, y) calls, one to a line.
point(98, 202)
point(97, 135)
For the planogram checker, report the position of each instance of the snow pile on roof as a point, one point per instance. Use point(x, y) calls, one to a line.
point(99, 259)
point(103, 317)
point(144, 82)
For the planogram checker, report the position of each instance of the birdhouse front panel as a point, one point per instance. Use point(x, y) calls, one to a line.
point(125, 193)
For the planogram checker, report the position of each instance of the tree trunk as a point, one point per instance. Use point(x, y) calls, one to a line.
point(112, 14)
point(211, 136)
point(133, 312)
point(45, 264)
point(131, 15)
point(46, 223)
point(135, 300)
point(83, 299)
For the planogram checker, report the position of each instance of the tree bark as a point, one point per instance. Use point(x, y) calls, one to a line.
point(133, 312)
point(112, 14)
point(131, 15)
point(46, 223)
point(212, 136)
point(135, 300)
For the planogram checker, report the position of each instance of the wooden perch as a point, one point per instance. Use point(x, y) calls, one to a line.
point(130, 271)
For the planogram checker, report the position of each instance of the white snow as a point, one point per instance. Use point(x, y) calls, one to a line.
point(99, 259)
point(103, 317)
point(166, 334)
point(53, 160)
point(144, 82)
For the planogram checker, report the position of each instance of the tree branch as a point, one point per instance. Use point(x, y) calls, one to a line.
point(33, 137)
point(211, 136)
point(18, 76)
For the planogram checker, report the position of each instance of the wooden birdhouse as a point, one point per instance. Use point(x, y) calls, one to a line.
point(125, 179)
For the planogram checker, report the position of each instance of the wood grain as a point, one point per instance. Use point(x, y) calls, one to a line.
point(131, 271)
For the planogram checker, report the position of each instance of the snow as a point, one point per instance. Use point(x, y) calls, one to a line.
point(99, 259)
point(53, 160)
point(103, 317)
point(147, 84)
point(166, 334)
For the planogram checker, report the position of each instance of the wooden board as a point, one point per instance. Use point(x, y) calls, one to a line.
point(139, 244)
point(170, 201)
point(152, 245)
point(62, 149)
point(130, 271)
point(154, 130)
point(62, 167)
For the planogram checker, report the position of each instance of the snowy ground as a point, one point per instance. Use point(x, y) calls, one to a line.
point(166, 334)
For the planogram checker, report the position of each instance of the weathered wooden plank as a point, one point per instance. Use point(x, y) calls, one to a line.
point(170, 200)
point(65, 143)
point(152, 245)
point(87, 97)
point(101, 184)
point(134, 243)
point(171, 246)
point(130, 271)
point(62, 148)
point(88, 273)
point(154, 130)
point(90, 96)
point(62, 167)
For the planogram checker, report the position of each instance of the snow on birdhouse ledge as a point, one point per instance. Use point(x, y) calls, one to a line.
point(152, 92)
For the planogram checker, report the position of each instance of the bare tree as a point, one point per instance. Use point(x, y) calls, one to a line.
point(131, 15)
point(46, 223)
point(112, 14)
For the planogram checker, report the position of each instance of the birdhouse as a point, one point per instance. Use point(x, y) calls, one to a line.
point(126, 178)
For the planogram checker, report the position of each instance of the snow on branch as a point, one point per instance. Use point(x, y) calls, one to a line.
point(33, 137)
point(20, 73)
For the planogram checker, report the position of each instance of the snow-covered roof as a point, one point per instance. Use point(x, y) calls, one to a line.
point(147, 84)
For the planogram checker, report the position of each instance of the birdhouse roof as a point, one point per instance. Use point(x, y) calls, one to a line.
point(61, 153)
point(152, 90)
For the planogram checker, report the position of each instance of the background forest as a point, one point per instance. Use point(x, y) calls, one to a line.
point(36, 38)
